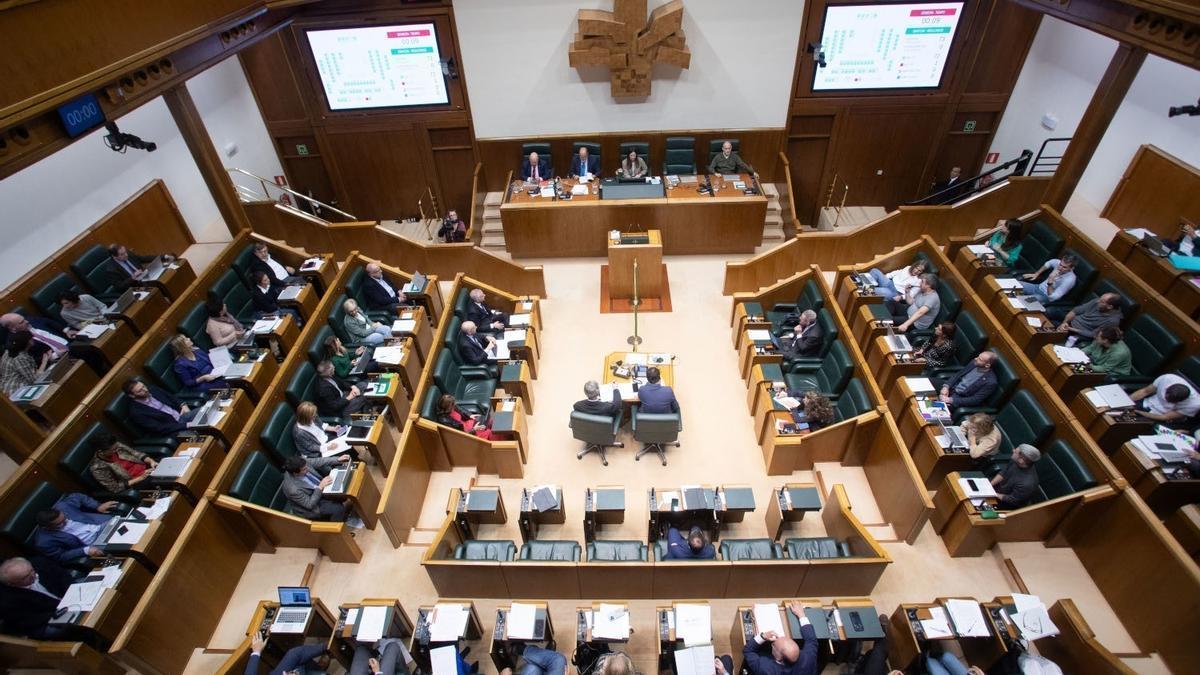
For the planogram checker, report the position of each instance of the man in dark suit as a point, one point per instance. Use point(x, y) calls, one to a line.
point(295, 660)
point(154, 411)
point(592, 405)
point(336, 398)
point(954, 181)
point(534, 169)
point(280, 274)
point(471, 348)
point(583, 164)
point(485, 318)
point(29, 594)
point(125, 268)
point(379, 293)
point(773, 654)
point(304, 482)
point(806, 338)
point(654, 397)
point(266, 298)
point(973, 384)
point(68, 531)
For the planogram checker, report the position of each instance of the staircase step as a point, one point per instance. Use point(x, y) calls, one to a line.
point(774, 219)
point(773, 204)
point(493, 199)
point(770, 190)
point(773, 234)
point(493, 241)
point(491, 213)
point(493, 227)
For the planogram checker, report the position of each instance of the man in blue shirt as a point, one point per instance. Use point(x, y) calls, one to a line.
point(1057, 284)
point(68, 531)
point(695, 547)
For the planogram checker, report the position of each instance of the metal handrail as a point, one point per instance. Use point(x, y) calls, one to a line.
point(298, 195)
point(1041, 155)
point(956, 192)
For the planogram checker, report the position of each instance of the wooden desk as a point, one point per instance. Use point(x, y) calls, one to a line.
point(1162, 490)
point(760, 388)
point(964, 531)
point(691, 223)
point(887, 366)
point(934, 462)
point(481, 505)
point(116, 603)
point(321, 274)
point(113, 345)
point(413, 322)
point(668, 640)
point(531, 519)
point(867, 324)
point(148, 308)
point(237, 409)
point(906, 637)
point(779, 450)
point(60, 397)
point(754, 353)
point(789, 504)
point(500, 647)
point(734, 502)
point(523, 348)
point(390, 390)
point(747, 316)
point(174, 280)
point(648, 256)
point(320, 625)
point(903, 402)
point(409, 368)
point(1156, 271)
point(515, 378)
point(583, 624)
point(974, 268)
point(362, 495)
point(1109, 431)
point(1001, 304)
point(198, 475)
point(156, 541)
point(380, 440)
point(820, 615)
point(284, 335)
point(344, 639)
point(1063, 377)
point(1031, 339)
point(422, 644)
point(666, 369)
point(510, 424)
point(603, 505)
point(305, 302)
point(1184, 525)
point(665, 508)
point(850, 297)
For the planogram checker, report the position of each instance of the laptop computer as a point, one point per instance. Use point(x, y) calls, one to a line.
point(1032, 304)
point(954, 435)
point(1155, 246)
point(54, 372)
point(154, 270)
point(864, 280)
point(360, 365)
point(417, 284)
point(898, 343)
point(205, 415)
point(295, 607)
point(122, 303)
point(340, 477)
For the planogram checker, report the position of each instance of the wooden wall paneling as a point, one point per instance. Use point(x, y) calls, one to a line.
point(1156, 190)
point(273, 79)
point(809, 137)
point(881, 147)
point(904, 503)
point(376, 177)
point(71, 658)
point(1076, 648)
point(1002, 51)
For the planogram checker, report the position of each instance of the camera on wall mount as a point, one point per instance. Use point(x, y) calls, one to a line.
point(1176, 110)
point(818, 53)
point(118, 141)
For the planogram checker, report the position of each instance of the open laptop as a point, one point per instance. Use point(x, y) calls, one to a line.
point(122, 303)
point(340, 476)
point(1155, 246)
point(54, 372)
point(954, 435)
point(898, 343)
point(205, 415)
point(360, 365)
point(864, 280)
point(154, 270)
point(1032, 304)
point(295, 607)
point(417, 284)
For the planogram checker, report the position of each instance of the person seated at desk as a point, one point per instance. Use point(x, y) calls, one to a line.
point(361, 328)
point(592, 404)
point(48, 334)
point(971, 385)
point(304, 481)
point(380, 294)
point(390, 660)
point(484, 317)
point(453, 229)
point(1186, 243)
point(1083, 321)
point(296, 660)
point(535, 169)
point(265, 297)
point(450, 415)
point(983, 436)
point(308, 433)
point(471, 349)
point(805, 339)
point(336, 398)
point(729, 162)
point(30, 591)
point(1109, 354)
point(922, 306)
point(154, 411)
point(897, 284)
point(784, 657)
point(80, 309)
point(814, 409)
point(694, 547)
point(1006, 241)
point(68, 530)
point(280, 274)
point(1057, 284)
point(1169, 399)
point(343, 359)
point(584, 166)
point(116, 466)
point(194, 368)
point(655, 397)
point(125, 268)
point(222, 328)
point(615, 663)
point(538, 661)
point(18, 366)
point(633, 166)
point(1017, 483)
point(939, 349)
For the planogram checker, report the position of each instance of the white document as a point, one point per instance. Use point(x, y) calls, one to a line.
point(499, 351)
point(1071, 354)
point(444, 660)
point(509, 406)
point(1034, 623)
point(95, 330)
point(547, 192)
point(1009, 284)
point(698, 660)
point(239, 371)
point(693, 624)
point(521, 618)
point(938, 626)
point(1024, 602)
point(760, 335)
point(404, 326)
point(335, 447)
point(766, 619)
point(352, 616)
point(788, 402)
point(514, 335)
point(518, 319)
point(82, 596)
point(290, 293)
point(968, 619)
point(1140, 232)
point(133, 533)
point(1017, 303)
point(1115, 396)
point(155, 510)
point(611, 622)
point(220, 357)
point(920, 385)
point(635, 359)
point(579, 189)
point(1095, 398)
point(942, 440)
point(979, 249)
point(189, 452)
point(1035, 321)
point(171, 467)
point(449, 622)
point(371, 626)
point(983, 487)
point(389, 355)
point(264, 326)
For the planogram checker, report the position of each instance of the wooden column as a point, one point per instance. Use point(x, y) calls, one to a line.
point(212, 168)
point(1109, 94)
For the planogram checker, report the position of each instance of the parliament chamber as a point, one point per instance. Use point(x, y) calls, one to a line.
point(610, 337)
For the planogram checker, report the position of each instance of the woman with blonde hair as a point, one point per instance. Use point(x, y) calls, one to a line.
point(983, 436)
point(361, 328)
point(309, 434)
point(193, 366)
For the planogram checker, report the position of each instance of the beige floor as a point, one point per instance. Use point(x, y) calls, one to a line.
point(717, 447)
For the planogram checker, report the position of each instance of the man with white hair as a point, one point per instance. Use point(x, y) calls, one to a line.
point(805, 340)
point(472, 348)
point(29, 595)
point(486, 319)
point(535, 169)
point(592, 404)
point(728, 162)
point(1018, 482)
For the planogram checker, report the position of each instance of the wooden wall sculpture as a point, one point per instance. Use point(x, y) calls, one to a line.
point(630, 45)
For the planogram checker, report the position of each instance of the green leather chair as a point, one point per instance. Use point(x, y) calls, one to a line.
point(429, 403)
point(46, 297)
point(1061, 472)
point(598, 432)
point(543, 151)
point(1006, 382)
point(592, 148)
point(829, 378)
point(1039, 244)
point(260, 482)
point(654, 430)
point(930, 266)
point(1021, 420)
point(948, 310)
point(450, 346)
point(544, 550)
point(160, 369)
point(1189, 369)
point(617, 551)
point(852, 403)
point(337, 321)
point(1152, 347)
point(472, 390)
point(316, 348)
point(969, 340)
point(460, 304)
point(241, 264)
point(642, 148)
point(240, 304)
point(781, 314)
point(502, 550)
point(816, 548)
point(679, 156)
point(750, 549)
point(276, 434)
point(714, 148)
point(89, 268)
point(193, 324)
point(19, 526)
point(302, 385)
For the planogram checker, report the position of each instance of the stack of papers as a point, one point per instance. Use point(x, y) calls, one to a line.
point(1031, 618)
point(155, 510)
point(693, 624)
point(264, 326)
point(1009, 284)
point(335, 447)
point(521, 618)
point(920, 385)
point(448, 622)
point(290, 293)
point(1071, 354)
point(95, 330)
point(1140, 232)
point(547, 192)
point(518, 320)
point(766, 619)
point(611, 622)
point(979, 249)
point(579, 189)
point(699, 660)
point(372, 624)
point(1035, 321)
point(390, 356)
point(975, 488)
point(759, 335)
point(444, 660)
point(938, 625)
point(404, 326)
point(968, 618)
point(132, 533)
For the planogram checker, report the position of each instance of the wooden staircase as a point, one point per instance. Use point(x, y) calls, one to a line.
point(491, 231)
point(773, 225)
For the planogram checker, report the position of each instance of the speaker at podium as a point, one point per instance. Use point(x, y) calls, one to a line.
point(651, 287)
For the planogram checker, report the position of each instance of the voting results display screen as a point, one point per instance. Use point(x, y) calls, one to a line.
point(886, 46)
point(379, 66)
